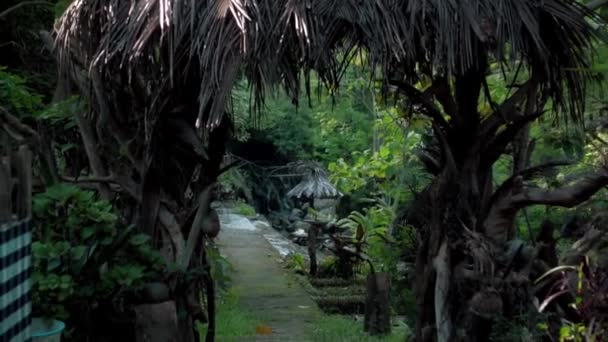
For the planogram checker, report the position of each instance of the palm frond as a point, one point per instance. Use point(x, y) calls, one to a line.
point(410, 38)
point(207, 45)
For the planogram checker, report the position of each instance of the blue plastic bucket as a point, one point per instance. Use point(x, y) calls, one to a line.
point(46, 330)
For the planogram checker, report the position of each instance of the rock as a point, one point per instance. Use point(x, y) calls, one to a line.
point(290, 228)
point(297, 226)
point(261, 225)
point(275, 220)
point(278, 221)
point(296, 215)
point(299, 236)
point(300, 233)
point(302, 225)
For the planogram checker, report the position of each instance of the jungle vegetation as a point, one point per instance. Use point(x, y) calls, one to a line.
point(478, 129)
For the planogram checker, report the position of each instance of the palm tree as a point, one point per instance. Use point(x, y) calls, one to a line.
point(158, 76)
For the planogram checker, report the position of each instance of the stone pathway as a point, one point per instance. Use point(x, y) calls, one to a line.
point(265, 288)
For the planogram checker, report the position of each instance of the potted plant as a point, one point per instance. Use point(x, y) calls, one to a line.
point(46, 329)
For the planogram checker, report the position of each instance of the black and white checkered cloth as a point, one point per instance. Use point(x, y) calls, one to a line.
point(15, 283)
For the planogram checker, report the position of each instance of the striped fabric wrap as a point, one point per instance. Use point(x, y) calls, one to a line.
point(15, 283)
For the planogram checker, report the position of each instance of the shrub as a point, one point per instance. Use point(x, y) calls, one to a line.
point(586, 285)
point(296, 262)
point(328, 267)
point(244, 209)
point(221, 268)
point(82, 256)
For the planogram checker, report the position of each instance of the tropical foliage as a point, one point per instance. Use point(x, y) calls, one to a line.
point(476, 128)
point(83, 257)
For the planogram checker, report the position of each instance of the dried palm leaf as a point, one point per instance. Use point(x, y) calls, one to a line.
point(206, 44)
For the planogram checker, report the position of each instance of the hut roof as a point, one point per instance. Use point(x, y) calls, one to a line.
point(161, 47)
point(315, 184)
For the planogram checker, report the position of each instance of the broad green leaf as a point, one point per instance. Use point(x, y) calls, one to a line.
point(87, 232)
point(139, 239)
point(79, 252)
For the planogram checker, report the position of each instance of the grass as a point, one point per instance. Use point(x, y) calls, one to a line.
point(232, 322)
point(244, 209)
point(235, 324)
point(335, 328)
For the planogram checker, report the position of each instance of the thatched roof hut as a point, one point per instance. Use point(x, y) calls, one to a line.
point(314, 185)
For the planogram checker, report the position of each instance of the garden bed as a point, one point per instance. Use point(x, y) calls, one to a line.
point(335, 295)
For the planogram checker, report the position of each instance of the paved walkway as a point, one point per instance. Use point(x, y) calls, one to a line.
point(263, 285)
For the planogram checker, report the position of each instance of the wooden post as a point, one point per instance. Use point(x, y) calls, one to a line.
point(23, 171)
point(377, 304)
point(6, 186)
point(15, 181)
point(312, 248)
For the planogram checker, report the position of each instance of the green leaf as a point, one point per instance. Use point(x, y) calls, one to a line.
point(385, 152)
point(543, 326)
point(53, 264)
point(555, 269)
point(61, 192)
point(40, 205)
point(78, 252)
point(103, 217)
point(39, 249)
point(66, 147)
point(87, 232)
point(106, 241)
point(62, 247)
point(565, 332)
point(86, 291)
point(139, 239)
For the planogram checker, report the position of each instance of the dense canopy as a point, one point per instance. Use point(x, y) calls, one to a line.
point(160, 75)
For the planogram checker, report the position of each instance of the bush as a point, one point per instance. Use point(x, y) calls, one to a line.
point(328, 268)
point(585, 285)
point(221, 268)
point(296, 262)
point(81, 255)
point(244, 209)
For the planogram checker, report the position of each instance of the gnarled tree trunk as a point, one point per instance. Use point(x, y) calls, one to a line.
point(460, 266)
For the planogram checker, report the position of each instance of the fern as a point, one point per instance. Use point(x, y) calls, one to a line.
point(374, 221)
point(16, 95)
